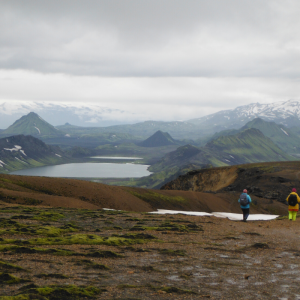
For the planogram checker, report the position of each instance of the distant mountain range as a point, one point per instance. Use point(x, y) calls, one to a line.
point(247, 146)
point(286, 113)
point(255, 141)
point(81, 114)
point(33, 124)
point(287, 139)
point(178, 130)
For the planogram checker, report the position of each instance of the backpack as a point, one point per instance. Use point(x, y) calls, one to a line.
point(292, 200)
point(243, 199)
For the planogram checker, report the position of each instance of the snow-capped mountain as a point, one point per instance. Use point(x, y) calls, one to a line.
point(284, 112)
point(80, 114)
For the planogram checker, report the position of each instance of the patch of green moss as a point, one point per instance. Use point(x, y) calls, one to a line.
point(48, 216)
point(9, 266)
point(21, 297)
point(32, 250)
point(168, 226)
point(24, 217)
point(8, 223)
point(11, 209)
point(29, 210)
point(49, 231)
point(88, 239)
point(6, 278)
point(138, 236)
point(68, 292)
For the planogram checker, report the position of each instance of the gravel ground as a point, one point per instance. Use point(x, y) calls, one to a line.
point(160, 257)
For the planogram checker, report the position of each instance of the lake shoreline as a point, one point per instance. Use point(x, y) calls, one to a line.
point(91, 169)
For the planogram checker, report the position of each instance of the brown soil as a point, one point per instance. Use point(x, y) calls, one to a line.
point(209, 258)
point(70, 193)
point(266, 182)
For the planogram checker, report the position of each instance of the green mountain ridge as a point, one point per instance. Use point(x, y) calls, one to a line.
point(282, 136)
point(32, 124)
point(285, 138)
point(158, 139)
point(247, 146)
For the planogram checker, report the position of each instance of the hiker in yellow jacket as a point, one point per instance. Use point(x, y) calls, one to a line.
point(293, 200)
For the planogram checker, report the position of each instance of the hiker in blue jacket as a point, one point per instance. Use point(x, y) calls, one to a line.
point(245, 201)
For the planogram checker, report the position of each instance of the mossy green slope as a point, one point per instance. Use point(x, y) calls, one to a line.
point(32, 124)
point(282, 136)
point(247, 146)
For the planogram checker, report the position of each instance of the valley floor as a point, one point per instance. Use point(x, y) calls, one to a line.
point(64, 253)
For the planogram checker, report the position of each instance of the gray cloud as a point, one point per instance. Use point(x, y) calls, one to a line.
point(257, 38)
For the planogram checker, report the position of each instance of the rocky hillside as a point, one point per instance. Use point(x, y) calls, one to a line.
point(273, 181)
point(70, 193)
point(22, 152)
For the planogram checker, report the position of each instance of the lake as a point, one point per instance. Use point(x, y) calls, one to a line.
point(89, 170)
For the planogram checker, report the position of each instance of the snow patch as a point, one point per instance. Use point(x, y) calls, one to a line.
point(37, 129)
point(3, 163)
point(67, 135)
point(12, 149)
point(22, 151)
point(230, 216)
point(21, 161)
point(284, 132)
point(58, 155)
point(231, 156)
point(17, 148)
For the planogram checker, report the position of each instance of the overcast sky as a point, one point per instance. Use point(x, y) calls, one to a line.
point(160, 59)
